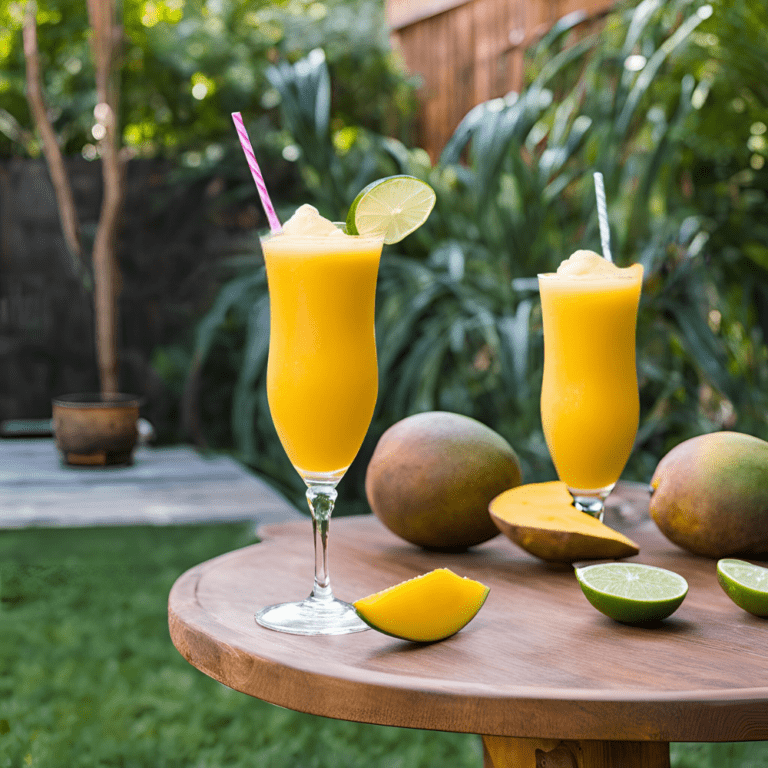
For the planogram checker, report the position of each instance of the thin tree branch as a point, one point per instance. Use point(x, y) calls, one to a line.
point(51, 150)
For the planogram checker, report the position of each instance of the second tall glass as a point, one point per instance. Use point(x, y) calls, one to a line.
point(589, 400)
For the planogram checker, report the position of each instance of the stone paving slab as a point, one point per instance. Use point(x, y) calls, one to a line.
point(163, 486)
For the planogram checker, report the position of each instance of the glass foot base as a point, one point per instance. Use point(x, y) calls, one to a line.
point(312, 617)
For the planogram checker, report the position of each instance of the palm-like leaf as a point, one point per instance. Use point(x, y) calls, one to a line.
point(458, 321)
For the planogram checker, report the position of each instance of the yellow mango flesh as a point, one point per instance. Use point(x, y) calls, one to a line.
point(424, 609)
point(541, 518)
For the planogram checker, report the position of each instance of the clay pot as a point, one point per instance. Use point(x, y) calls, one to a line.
point(96, 430)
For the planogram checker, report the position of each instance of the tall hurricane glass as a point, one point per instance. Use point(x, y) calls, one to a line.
point(322, 382)
point(589, 400)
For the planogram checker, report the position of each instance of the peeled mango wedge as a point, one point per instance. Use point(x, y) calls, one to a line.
point(424, 609)
point(541, 518)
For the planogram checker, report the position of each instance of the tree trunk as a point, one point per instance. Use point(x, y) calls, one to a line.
point(105, 43)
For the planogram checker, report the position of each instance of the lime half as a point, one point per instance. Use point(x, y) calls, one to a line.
point(392, 207)
point(632, 593)
point(745, 584)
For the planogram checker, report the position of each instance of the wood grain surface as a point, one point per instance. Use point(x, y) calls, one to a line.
point(537, 661)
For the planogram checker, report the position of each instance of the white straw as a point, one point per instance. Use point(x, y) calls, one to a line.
point(602, 216)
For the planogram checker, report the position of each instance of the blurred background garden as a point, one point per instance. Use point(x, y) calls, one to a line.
point(669, 100)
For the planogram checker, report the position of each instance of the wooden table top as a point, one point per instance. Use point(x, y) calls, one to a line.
point(537, 661)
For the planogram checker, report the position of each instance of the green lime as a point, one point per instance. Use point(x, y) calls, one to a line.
point(632, 593)
point(393, 207)
point(745, 584)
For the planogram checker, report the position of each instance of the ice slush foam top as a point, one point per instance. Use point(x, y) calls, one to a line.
point(307, 222)
point(588, 264)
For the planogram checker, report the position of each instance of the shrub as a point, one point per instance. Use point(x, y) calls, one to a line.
point(187, 65)
point(458, 322)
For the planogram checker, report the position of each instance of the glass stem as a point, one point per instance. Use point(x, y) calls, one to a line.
point(591, 502)
point(321, 499)
point(591, 506)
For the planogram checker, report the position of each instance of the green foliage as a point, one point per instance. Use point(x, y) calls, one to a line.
point(334, 166)
point(66, 66)
point(726, 148)
point(186, 65)
point(458, 322)
point(89, 676)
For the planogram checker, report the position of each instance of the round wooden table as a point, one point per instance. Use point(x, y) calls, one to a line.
point(544, 677)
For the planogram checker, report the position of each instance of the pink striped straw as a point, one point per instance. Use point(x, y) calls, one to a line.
point(245, 143)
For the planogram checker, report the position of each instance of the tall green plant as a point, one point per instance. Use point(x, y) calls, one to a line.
point(458, 321)
point(524, 200)
point(334, 165)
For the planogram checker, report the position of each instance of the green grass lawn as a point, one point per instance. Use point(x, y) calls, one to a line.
point(89, 676)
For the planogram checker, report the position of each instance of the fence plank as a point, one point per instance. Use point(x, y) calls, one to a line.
point(469, 51)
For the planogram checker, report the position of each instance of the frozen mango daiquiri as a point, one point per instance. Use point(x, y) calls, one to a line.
point(322, 375)
point(589, 399)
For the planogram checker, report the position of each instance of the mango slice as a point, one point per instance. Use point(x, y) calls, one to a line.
point(424, 609)
point(541, 518)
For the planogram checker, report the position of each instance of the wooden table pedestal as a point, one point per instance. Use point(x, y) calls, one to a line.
point(509, 752)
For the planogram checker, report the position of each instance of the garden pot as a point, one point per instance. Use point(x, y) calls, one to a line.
point(96, 430)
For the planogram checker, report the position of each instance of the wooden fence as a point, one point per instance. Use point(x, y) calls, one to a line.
point(469, 51)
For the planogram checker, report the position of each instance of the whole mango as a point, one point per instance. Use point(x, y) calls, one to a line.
point(710, 495)
point(432, 476)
